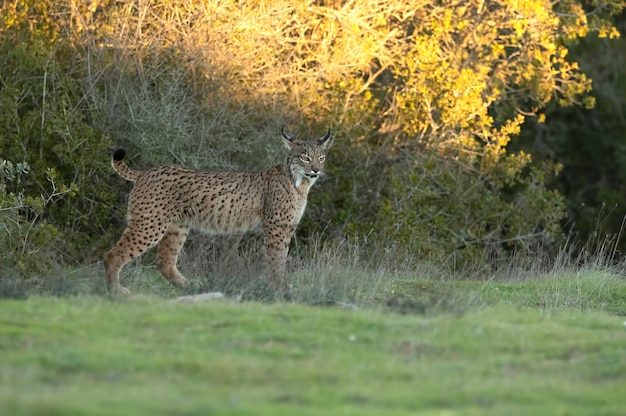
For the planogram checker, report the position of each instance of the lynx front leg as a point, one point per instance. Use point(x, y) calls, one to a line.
point(277, 241)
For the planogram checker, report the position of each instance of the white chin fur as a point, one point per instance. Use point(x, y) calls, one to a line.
point(302, 176)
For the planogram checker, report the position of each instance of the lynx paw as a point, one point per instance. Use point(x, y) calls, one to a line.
point(119, 290)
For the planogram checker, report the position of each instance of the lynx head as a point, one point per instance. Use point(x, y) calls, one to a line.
point(305, 159)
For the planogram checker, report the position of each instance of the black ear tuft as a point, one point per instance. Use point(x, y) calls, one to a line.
point(119, 154)
point(282, 132)
point(321, 140)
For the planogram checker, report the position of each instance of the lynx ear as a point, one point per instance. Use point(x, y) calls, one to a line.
point(323, 141)
point(288, 141)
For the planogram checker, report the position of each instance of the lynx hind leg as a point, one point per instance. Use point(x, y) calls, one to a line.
point(135, 241)
point(167, 254)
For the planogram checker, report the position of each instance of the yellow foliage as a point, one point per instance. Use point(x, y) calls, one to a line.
point(456, 78)
point(446, 63)
point(440, 71)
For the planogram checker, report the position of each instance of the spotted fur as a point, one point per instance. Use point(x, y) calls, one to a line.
point(167, 201)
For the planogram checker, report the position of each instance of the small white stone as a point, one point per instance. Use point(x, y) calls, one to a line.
point(201, 297)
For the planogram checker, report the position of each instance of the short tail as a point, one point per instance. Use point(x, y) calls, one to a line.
point(120, 167)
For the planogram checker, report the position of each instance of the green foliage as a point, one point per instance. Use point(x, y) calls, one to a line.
point(438, 207)
point(419, 94)
point(28, 243)
point(464, 94)
point(590, 144)
point(46, 124)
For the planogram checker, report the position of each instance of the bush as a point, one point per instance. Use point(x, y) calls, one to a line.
point(46, 123)
point(425, 99)
point(28, 243)
point(439, 208)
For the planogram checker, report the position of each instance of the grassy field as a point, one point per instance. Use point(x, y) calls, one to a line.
point(551, 345)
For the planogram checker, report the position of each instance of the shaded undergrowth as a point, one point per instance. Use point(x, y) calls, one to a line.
point(346, 274)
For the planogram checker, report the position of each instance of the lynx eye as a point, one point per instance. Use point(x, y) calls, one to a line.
point(322, 158)
point(305, 158)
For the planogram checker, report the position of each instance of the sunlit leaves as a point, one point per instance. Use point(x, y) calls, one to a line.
point(440, 88)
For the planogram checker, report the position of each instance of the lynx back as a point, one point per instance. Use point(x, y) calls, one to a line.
point(167, 201)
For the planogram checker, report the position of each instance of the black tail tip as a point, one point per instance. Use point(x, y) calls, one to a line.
point(119, 154)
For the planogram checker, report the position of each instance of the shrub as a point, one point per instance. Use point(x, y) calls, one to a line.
point(425, 99)
point(439, 208)
point(46, 123)
point(28, 243)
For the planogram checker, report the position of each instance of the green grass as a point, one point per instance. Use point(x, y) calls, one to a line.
point(580, 291)
point(552, 345)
